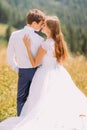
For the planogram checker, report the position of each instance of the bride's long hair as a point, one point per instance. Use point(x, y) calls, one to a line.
point(61, 51)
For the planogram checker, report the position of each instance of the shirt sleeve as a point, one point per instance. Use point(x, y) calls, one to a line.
point(11, 54)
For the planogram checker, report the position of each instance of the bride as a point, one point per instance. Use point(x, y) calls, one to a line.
point(54, 102)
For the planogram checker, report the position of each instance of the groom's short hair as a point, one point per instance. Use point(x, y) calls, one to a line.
point(35, 15)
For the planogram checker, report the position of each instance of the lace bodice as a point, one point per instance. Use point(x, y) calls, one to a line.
point(49, 59)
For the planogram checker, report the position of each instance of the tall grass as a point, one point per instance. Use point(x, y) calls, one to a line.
point(8, 87)
point(76, 66)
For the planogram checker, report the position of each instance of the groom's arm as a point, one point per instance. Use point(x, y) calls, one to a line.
point(11, 54)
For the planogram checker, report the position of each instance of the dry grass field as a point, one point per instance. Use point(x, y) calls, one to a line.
point(77, 67)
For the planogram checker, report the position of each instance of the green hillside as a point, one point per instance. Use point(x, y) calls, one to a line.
point(69, 11)
point(72, 14)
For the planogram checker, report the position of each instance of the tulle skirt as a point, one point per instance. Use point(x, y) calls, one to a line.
point(54, 103)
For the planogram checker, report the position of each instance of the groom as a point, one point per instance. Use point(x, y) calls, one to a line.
point(17, 56)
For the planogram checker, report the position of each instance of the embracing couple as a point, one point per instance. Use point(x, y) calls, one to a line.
point(47, 98)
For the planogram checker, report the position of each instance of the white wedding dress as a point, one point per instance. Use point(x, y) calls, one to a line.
point(54, 102)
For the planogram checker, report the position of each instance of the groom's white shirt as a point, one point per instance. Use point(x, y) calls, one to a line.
point(17, 55)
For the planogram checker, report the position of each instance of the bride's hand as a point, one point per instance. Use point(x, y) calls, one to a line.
point(26, 41)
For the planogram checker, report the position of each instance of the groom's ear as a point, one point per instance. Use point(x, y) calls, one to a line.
point(34, 23)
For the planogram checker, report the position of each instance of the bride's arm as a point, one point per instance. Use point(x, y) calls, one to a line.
point(41, 52)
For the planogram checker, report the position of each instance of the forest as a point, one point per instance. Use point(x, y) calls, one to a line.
point(72, 15)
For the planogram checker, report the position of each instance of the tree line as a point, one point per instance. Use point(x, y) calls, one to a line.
point(72, 15)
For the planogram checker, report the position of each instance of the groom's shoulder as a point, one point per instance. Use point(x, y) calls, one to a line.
point(17, 32)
